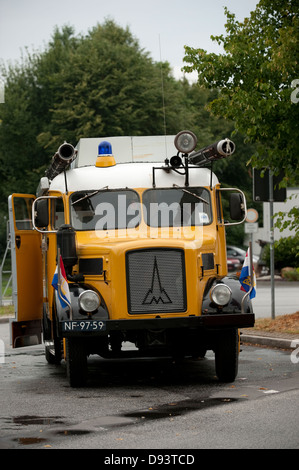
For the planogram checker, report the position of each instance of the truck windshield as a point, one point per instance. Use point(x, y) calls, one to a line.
point(176, 207)
point(105, 210)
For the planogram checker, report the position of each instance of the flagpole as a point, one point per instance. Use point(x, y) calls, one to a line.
point(58, 283)
point(251, 264)
point(272, 265)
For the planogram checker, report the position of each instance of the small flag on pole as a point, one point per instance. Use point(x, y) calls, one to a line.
point(60, 283)
point(245, 279)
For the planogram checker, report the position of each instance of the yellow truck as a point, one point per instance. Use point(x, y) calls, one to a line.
point(124, 242)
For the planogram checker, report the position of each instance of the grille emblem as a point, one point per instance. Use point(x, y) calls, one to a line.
point(156, 293)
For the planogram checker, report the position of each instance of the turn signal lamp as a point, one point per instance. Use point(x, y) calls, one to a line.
point(105, 156)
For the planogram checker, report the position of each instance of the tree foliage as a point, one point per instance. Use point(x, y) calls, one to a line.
point(254, 75)
point(92, 85)
point(109, 86)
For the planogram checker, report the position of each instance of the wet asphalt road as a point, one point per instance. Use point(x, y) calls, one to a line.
point(149, 403)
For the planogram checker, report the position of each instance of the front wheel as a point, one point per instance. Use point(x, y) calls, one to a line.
point(53, 351)
point(53, 344)
point(227, 355)
point(76, 362)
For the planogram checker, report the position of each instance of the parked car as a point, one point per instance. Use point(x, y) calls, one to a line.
point(233, 264)
point(233, 252)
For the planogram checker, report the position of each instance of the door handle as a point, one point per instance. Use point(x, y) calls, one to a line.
point(18, 241)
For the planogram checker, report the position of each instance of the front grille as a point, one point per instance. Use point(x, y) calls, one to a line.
point(156, 281)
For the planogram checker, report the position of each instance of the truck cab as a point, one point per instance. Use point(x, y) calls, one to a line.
point(125, 242)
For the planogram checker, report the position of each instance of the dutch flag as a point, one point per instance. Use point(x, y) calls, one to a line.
point(60, 283)
point(245, 277)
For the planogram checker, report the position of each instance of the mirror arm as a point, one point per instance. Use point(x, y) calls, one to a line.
point(244, 204)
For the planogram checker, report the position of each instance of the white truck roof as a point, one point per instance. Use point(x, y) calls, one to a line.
point(127, 149)
point(135, 159)
point(128, 175)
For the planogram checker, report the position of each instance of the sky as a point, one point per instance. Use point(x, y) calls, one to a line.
point(162, 27)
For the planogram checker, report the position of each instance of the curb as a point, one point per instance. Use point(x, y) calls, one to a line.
point(5, 319)
point(280, 343)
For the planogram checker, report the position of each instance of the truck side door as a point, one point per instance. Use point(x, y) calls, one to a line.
point(26, 260)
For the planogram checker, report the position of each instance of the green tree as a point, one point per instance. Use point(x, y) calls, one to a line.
point(109, 86)
point(102, 83)
point(254, 76)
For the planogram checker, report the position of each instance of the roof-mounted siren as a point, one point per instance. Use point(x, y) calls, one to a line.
point(64, 156)
point(221, 149)
point(105, 155)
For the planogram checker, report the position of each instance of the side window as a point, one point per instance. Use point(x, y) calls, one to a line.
point(23, 214)
point(57, 213)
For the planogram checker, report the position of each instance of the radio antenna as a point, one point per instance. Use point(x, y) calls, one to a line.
point(163, 95)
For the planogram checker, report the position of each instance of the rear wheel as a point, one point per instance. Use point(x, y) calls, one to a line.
point(76, 362)
point(227, 355)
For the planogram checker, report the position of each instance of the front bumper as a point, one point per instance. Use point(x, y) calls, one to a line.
point(208, 322)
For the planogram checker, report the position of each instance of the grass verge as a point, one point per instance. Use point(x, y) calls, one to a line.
point(281, 324)
point(7, 310)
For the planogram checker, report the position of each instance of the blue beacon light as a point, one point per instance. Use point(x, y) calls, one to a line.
point(105, 156)
point(105, 148)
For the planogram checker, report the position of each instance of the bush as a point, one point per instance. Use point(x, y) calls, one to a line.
point(290, 274)
point(286, 253)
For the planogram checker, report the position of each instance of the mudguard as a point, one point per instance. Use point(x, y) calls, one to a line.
point(234, 306)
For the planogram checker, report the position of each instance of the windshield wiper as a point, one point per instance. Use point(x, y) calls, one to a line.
point(192, 194)
point(89, 195)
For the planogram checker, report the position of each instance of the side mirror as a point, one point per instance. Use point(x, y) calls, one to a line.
point(41, 213)
point(236, 206)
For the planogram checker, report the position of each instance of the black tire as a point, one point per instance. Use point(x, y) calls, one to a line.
point(202, 352)
point(76, 362)
point(227, 355)
point(53, 345)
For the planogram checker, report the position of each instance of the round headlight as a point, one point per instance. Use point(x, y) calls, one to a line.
point(185, 141)
point(89, 301)
point(221, 294)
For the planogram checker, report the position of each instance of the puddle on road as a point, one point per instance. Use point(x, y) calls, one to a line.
point(179, 408)
point(27, 441)
point(103, 423)
point(27, 420)
point(72, 432)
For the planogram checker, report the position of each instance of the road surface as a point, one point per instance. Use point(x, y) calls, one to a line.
point(149, 404)
point(286, 298)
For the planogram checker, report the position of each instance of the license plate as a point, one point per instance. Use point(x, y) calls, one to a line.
point(87, 325)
